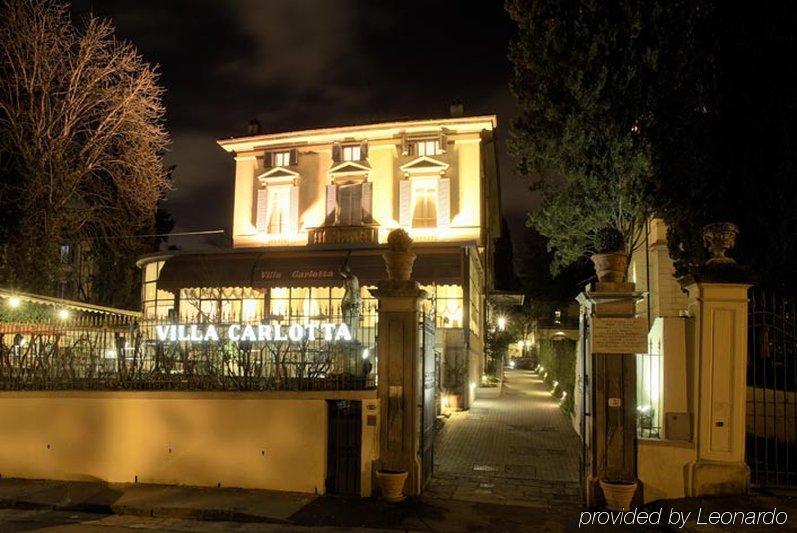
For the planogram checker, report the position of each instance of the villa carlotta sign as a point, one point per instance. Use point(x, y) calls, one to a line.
point(258, 332)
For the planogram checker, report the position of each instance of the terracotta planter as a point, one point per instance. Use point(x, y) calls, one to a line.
point(391, 484)
point(455, 402)
point(719, 238)
point(398, 264)
point(611, 267)
point(618, 494)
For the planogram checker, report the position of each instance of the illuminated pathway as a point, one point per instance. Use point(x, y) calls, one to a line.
point(517, 449)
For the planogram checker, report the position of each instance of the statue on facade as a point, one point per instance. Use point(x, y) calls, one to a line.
point(351, 304)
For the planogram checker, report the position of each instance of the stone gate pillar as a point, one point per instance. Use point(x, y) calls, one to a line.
point(718, 338)
point(613, 346)
point(400, 376)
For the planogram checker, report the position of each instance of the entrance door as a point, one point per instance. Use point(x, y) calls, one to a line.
point(343, 447)
point(429, 411)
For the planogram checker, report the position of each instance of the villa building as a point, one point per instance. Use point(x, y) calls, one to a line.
point(310, 203)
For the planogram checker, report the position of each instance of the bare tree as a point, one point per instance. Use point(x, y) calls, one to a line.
point(81, 139)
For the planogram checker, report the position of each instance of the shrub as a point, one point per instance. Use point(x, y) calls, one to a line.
point(558, 357)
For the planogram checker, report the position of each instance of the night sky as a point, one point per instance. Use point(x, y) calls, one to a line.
point(297, 64)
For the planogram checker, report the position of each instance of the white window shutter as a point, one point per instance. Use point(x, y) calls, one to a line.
point(363, 150)
point(294, 212)
point(367, 202)
point(294, 157)
point(405, 209)
point(443, 142)
point(443, 202)
point(261, 218)
point(332, 204)
point(337, 154)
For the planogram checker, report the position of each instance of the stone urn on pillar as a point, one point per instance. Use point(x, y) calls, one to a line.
point(610, 259)
point(399, 257)
point(719, 238)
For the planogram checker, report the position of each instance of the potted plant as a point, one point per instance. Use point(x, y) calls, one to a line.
point(618, 494)
point(398, 257)
point(391, 484)
point(610, 259)
point(455, 383)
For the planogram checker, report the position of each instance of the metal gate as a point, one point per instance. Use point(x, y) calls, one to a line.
point(771, 444)
point(429, 411)
point(343, 447)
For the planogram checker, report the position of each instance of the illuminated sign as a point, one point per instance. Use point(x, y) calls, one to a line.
point(258, 332)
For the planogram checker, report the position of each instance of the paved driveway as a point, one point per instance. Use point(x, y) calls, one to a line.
point(517, 449)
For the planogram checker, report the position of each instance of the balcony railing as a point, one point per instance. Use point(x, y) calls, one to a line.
point(343, 235)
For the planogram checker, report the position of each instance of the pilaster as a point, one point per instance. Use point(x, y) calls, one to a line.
point(718, 305)
point(613, 393)
point(400, 384)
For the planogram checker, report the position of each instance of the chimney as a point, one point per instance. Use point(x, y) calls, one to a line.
point(456, 109)
point(253, 128)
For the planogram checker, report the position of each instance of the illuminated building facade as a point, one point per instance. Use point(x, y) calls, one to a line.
point(308, 202)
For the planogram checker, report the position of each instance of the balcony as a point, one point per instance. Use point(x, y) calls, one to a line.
point(343, 235)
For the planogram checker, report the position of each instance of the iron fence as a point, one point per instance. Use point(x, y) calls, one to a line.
point(771, 444)
point(296, 352)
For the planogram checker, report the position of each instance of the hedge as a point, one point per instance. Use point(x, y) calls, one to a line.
point(558, 357)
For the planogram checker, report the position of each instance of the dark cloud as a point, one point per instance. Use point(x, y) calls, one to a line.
point(310, 63)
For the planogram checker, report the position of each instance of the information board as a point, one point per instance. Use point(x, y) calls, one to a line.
point(619, 335)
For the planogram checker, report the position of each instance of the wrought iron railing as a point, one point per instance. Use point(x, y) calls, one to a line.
point(285, 353)
point(771, 444)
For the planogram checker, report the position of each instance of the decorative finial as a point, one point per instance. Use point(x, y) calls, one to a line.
point(719, 238)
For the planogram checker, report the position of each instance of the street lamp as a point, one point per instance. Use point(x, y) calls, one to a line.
point(501, 323)
point(63, 314)
point(14, 302)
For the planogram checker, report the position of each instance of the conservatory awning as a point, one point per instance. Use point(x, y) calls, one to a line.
point(301, 268)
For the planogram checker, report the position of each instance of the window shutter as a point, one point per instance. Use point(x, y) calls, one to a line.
point(268, 160)
point(363, 150)
point(332, 204)
point(443, 142)
point(367, 202)
point(294, 157)
point(405, 214)
point(261, 220)
point(443, 202)
point(293, 221)
point(336, 153)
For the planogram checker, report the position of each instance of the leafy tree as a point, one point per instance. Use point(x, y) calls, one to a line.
point(724, 137)
point(81, 139)
point(582, 73)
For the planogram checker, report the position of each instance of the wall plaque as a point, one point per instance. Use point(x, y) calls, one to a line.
point(619, 335)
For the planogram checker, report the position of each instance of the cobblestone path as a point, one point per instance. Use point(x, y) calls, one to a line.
point(517, 449)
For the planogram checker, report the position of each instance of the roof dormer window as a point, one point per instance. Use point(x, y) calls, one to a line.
point(352, 152)
point(281, 158)
point(427, 147)
point(349, 152)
